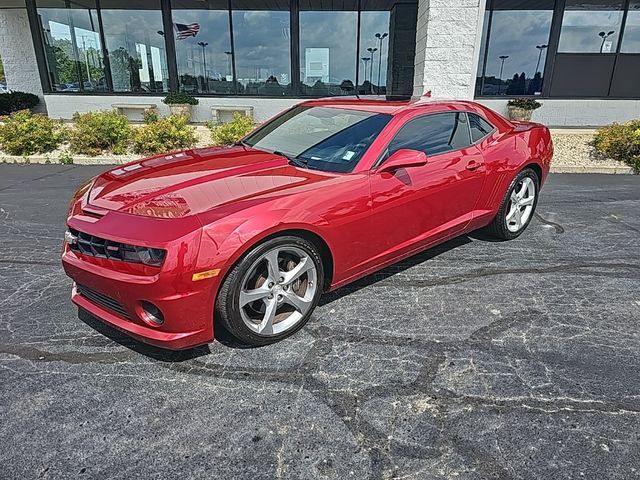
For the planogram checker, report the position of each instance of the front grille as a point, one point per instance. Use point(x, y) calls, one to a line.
point(102, 300)
point(102, 248)
point(98, 247)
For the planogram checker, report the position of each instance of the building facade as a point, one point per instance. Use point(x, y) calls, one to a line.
point(580, 58)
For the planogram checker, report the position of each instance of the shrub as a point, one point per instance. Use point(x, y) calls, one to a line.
point(524, 103)
point(232, 131)
point(164, 135)
point(15, 101)
point(620, 141)
point(180, 98)
point(150, 116)
point(96, 132)
point(25, 133)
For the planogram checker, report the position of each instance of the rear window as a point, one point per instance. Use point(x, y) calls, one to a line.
point(480, 128)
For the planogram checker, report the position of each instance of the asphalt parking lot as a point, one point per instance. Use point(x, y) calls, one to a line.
point(473, 360)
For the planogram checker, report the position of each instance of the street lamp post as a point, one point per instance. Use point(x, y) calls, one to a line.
point(502, 58)
point(380, 37)
point(228, 54)
point(365, 60)
point(204, 66)
point(604, 37)
point(372, 51)
point(540, 50)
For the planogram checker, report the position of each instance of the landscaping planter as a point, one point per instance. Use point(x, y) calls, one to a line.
point(518, 113)
point(182, 109)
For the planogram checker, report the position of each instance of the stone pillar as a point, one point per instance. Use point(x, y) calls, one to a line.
point(402, 27)
point(17, 52)
point(448, 37)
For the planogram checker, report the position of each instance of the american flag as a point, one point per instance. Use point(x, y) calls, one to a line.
point(185, 31)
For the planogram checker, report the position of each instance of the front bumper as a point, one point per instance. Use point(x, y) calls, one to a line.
point(114, 291)
point(188, 312)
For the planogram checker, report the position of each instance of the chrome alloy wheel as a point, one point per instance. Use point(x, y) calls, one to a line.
point(278, 290)
point(521, 203)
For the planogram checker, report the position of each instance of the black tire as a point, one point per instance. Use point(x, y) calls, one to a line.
point(227, 307)
point(498, 227)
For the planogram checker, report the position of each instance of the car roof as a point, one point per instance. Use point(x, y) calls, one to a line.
point(392, 107)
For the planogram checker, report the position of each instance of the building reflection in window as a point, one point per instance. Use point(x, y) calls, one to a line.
point(262, 37)
point(73, 51)
point(591, 26)
point(135, 40)
point(203, 46)
point(518, 38)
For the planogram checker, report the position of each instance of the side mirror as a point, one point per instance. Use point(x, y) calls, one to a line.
point(403, 158)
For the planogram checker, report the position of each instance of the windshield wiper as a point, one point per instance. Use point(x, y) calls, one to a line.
point(298, 162)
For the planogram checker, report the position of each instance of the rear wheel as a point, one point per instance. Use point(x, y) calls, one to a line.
point(517, 207)
point(271, 293)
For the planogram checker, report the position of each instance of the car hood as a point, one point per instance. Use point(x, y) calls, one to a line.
point(196, 181)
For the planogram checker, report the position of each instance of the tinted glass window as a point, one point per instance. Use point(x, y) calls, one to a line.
point(631, 38)
point(479, 127)
point(433, 134)
point(321, 138)
point(327, 61)
point(518, 39)
point(375, 25)
point(261, 36)
point(591, 26)
point(72, 46)
point(134, 35)
point(203, 46)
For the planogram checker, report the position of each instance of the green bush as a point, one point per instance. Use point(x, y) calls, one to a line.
point(232, 131)
point(620, 141)
point(524, 103)
point(164, 135)
point(15, 101)
point(180, 98)
point(97, 132)
point(25, 133)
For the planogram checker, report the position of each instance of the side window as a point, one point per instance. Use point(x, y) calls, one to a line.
point(433, 134)
point(480, 128)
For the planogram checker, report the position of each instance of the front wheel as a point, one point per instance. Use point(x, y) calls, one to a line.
point(271, 293)
point(517, 207)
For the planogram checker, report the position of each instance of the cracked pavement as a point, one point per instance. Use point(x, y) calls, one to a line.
point(475, 359)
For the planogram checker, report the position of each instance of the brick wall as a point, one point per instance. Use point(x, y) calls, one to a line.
point(16, 50)
point(448, 39)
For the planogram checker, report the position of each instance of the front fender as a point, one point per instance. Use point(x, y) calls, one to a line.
point(222, 251)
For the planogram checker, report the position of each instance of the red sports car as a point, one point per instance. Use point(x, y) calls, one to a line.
point(248, 237)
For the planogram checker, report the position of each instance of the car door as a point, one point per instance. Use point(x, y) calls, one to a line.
point(420, 205)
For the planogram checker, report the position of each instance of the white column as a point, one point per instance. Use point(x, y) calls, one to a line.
point(448, 39)
point(17, 52)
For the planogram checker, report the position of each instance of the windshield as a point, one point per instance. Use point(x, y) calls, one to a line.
point(320, 138)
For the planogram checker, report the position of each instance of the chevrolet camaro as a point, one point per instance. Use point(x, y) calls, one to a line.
point(248, 237)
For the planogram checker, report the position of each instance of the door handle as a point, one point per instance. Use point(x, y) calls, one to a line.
point(473, 165)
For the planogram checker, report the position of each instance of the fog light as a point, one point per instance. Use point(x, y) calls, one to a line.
point(153, 313)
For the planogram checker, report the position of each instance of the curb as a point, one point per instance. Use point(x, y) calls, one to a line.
point(592, 169)
point(77, 160)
